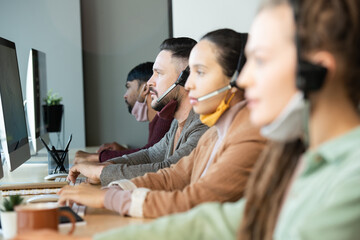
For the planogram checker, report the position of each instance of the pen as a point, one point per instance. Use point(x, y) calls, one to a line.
point(59, 162)
point(66, 149)
point(50, 152)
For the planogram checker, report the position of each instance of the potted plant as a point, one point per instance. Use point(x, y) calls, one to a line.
point(53, 112)
point(8, 215)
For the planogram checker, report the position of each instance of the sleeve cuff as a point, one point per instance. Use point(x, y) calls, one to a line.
point(123, 184)
point(117, 200)
point(138, 197)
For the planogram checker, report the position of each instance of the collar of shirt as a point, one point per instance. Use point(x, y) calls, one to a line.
point(168, 110)
point(332, 151)
point(226, 119)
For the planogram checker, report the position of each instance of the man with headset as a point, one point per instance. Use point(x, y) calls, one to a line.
point(137, 97)
point(185, 130)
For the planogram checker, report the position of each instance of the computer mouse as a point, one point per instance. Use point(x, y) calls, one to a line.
point(43, 198)
point(55, 175)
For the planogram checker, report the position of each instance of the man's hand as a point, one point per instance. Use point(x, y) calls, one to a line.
point(82, 156)
point(114, 146)
point(90, 170)
point(84, 194)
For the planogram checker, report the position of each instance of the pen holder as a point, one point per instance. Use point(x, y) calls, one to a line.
point(55, 166)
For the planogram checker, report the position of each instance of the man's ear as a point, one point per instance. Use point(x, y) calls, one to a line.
point(143, 92)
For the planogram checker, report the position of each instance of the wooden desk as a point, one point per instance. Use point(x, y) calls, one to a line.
point(100, 220)
point(97, 220)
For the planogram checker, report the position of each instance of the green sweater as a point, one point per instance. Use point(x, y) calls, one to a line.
point(323, 203)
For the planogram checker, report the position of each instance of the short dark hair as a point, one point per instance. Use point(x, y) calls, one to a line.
point(141, 72)
point(180, 47)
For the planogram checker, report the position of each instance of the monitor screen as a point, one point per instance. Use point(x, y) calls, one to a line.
point(36, 90)
point(1, 168)
point(14, 137)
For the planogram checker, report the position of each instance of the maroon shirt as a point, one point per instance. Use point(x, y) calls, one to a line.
point(157, 129)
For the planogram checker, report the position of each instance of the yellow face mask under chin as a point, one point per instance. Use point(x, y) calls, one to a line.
point(211, 119)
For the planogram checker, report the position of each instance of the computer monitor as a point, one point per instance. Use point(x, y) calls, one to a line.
point(14, 137)
point(36, 90)
point(1, 168)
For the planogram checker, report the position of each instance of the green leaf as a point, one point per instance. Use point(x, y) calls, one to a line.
point(52, 98)
point(10, 202)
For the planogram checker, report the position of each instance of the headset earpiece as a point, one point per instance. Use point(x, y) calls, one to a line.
point(310, 76)
point(180, 81)
point(183, 77)
point(241, 61)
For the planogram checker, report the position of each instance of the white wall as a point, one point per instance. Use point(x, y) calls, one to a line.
point(117, 36)
point(194, 18)
point(54, 28)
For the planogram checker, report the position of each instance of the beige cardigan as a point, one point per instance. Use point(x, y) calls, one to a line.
point(180, 188)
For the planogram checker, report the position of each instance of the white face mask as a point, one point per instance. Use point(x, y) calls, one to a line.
point(289, 125)
point(140, 110)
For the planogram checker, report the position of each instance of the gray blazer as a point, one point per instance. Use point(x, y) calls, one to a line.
point(159, 155)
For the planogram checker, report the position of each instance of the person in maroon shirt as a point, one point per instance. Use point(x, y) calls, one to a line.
point(138, 99)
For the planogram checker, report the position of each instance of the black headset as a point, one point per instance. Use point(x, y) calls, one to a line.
point(183, 77)
point(181, 80)
point(310, 77)
point(241, 61)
